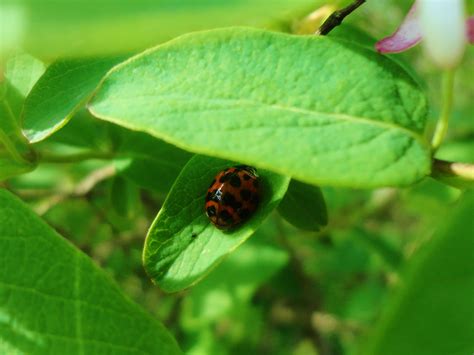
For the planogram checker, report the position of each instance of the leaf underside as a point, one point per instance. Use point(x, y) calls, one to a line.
point(322, 110)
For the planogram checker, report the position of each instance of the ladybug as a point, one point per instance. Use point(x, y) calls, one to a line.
point(233, 196)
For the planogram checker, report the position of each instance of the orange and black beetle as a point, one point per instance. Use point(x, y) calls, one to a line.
point(233, 196)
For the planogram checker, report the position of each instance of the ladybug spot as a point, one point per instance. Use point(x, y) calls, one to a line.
point(235, 180)
point(225, 177)
point(244, 213)
point(245, 194)
point(247, 177)
point(211, 211)
point(254, 200)
point(229, 200)
point(226, 216)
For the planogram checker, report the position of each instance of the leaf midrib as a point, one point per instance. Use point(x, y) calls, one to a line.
point(244, 102)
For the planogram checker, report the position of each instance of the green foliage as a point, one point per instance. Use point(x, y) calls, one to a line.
point(305, 110)
point(125, 197)
point(435, 299)
point(150, 162)
point(225, 296)
point(16, 156)
point(391, 272)
point(304, 206)
point(62, 90)
point(100, 27)
point(57, 301)
point(182, 245)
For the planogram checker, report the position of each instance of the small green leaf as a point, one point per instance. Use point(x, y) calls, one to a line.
point(59, 93)
point(149, 162)
point(232, 283)
point(85, 131)
point(304, 206)
point(322, 110)
point(54, 300)
point(23, 71)
point(379, 246)
point(433, 310)
point(125, 197)
point(182, 245)
point(16, 156)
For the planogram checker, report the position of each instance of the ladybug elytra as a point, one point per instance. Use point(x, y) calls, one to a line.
point(233, 196)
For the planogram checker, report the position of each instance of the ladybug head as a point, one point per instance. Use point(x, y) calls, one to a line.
point(251, 170)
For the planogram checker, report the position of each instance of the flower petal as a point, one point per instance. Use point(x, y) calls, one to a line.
point(406, 36)
point(470, 29)
point(442, 23)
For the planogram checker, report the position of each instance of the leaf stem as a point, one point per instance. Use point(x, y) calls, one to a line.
point(47, 157)
point(447, 97)
point(337, 17)
point(9, 144)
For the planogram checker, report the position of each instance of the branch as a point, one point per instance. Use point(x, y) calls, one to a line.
point(337, 17)
point(47, 157)
point(83, 188)
point(456, 174)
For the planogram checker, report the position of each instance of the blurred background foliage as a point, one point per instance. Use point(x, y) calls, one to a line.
point(285, 291)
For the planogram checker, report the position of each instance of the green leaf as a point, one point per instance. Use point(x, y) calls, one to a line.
point(64, 28)
point(22, 72)
point(379, 246)
point(84, 131)
point(232, 284)
point(304, 206)
point(16, 157)
point(53, 299)
point(60, 92)
point(182, 245)
point(322, 110)
point(125, 197)
point(433, 310)
point(150, 162)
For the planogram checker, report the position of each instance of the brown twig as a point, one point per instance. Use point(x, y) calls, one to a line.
point(453, 169)
point(337, 17)
point(83, 188)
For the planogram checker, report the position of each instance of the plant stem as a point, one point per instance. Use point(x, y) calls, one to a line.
point(337, 17)
point(442, 125)
point(10, 145)
point(452, 169)
point(74, 158)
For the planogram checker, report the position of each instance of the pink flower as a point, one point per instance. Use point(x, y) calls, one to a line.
point(442, 26)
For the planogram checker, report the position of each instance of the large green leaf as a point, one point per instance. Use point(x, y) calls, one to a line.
point(54, 300)
point(182, 245)
point(433, 311)
point(322, 110)
point(64, 28)
point(60, 92)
